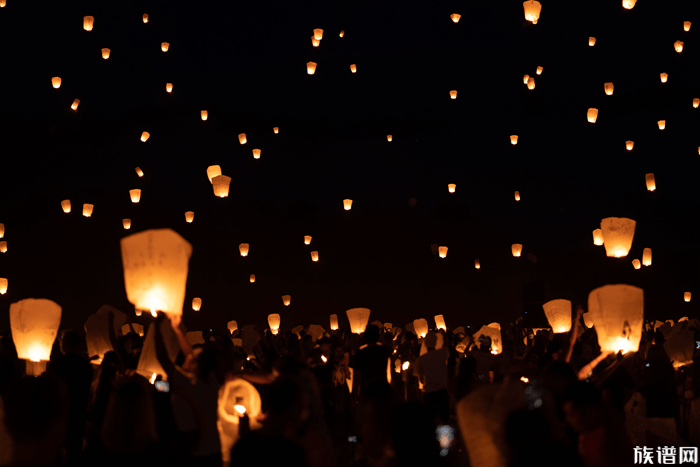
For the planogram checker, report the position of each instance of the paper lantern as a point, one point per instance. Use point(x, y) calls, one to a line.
point(664, 77)
point(592, 115)
point(87, 209)
point(618, 233)
point(196, 304)
point(421, 327)
point(149, 366)
point(686, 295)
point(34, 324)
point(213, 171)
point(243, 248)
point(591, 41)
point(3, 286)
point(440, 322)
point(88, 23)
point(3, 247)
point(189, 217)
point(442, 251)
point(97, 330)
point(451, 187)
point(164, 46)
point(318, 34)
point(492, 332)
point(221, 185)
point(311, 68)
point(455, 17)
point(651, 183)
point(307, 239)
point(168, 87)
point(516, 249)
point(597, 237)
point(145, 17)
point(629, 145)
point(315, 42)
point(232, 326)
point(453, 94)
point(389, 138)
point(273, 321)
point(662, 124)
point(353, 68)
point(618, 313)
point(679, 347)
point(532, 11)
point(139, 172)
point(525, 78)
point(135, 195)
point(155, 266)
point(204, 114)
point(628, 4)
point(126, 223)
point(75, 104)
point(636, 264)
point(252, 278)
point(286, 299)
point(686, 26)
point(2, 230)
point(558, 313)
point(678, 46)
point(105, 53)
point(242, 138)
point(3, 3)
point(239, 407)
point(517, 196)
point(314, 256)
point(609, 88)
point(358, 318)
point(539, 70)
point(65, 205)
point(696, 103)
point(144, 136)
point(342, 33)
point(256, 153)
point(477, 264)
point(347, 204)
point(276, 130)
point(646, 257)
point(513, 139)
point(334, 322)
point(531, 83)
point(56, 82)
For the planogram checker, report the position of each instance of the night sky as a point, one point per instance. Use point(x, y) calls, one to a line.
point(245, 63)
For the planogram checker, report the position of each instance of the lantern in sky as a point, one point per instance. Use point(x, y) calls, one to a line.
point(273, 320)
point(311, 68)
point(3, 247)
point(651, 183)
point(628, 4)
point(56, 82)
point(126, 223)
point(105, 53)
point(196, 303)
point(307, 239)
point(315, 42)
point(678, 46)
point(144, 136)
point(221, 185)
point(646, 257)
point(558, 313)
point(513, 139)
point(145, 17)
point(135, 195)
point(686, 26)
point(232, 326)
point(618, 313)
point(286, 299)
point(388, 138)
point(629, 145)
point(87, 209)
point(314, 256)
point(597, 237)
point(664, 77)
point(242, 138)
point(342, 33)
point(618, 233)
point(662, 124)
point(517, 196)
point(3, 3)
point(477, 264)
point(252, 278)
point(696, 103)
point(532, 11)
point(34, 323)
point(155, 266)
point(525, 78)
point(442, 251)
point(455, 17)
point(2, 230)
point(164, 46)
point(531, 83)
point(539, 70)
point(516, 249)
point(334, 322)
point(592, 115)
point(636, 264)
point(440, 322)
point(347, 204)
point(451, 187)
point(420, 326)
point(189, 216)
point(358, 318)
point(65, 205)
point(318, 34)
point(213, 171)
point(243, 248)
point(453, 94)
point(591, 41)
point(276, 130)
point(3, 286)
point(75, 104)
point(139, 172)
point(204, 114)
point(686, 295)
point(353, 68)
point(609, 88)
point(88, 23)
point(168, 87)
point(256, 153)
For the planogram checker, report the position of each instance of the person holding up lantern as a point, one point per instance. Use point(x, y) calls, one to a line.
point(431, 369)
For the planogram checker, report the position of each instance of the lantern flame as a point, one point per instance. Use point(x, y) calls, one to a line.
point(239, 408)
point(405, 365)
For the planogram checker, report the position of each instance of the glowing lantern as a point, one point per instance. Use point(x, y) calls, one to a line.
point(213, 171)
point(696, 103)
point(105, 53)
point(145, 17)
point(3, 247)
point(196, 303)
point(3, 3)
point(453, 94)
point(242, 138)
point(443, 251)
point(189, 216)
point(135, 195)
point(168, 87)
point(618, 233)
point(629, 145)
point(389, 138)
point(88, 23)
point(455, 17)
point(204, 114)
point(314, 256)
point(558, 313)
point(636, 264)
point(2, 230)
point(3, 286)
point(358, 318)
point(516, 249)
point(628, 4)
point(139, 172)
point(678, 46)
point(531, 83)
point(315, 42)
point(65, 205)
point(56, 82)
point(420, 326)
point(232, 326)
point(311, 68)
point(525, 78)
point(87, 209)
point(517, 196)
point(532, 11)
point(155, 266)
point(592, 115)
point(686, 26)
point(318, 34)
point(243, 248)
point(539, 70)
point(75, 104)
point(347, 204)
point(286, 299)
point(477, 264)
point(353, 68)
point(662, 124)
point(618, 313)
point(646, 257)
point(34, 323)
point(126, 223)
point(513, 139)
point(221, 185)
point(164, 46)
point(256, 153)
point(276, 130)
point(597, 237)
point(334, 322)
point(273, 321)
point(686, 296)
point(252, 278)
point(307, 239)
point(651, 183)
point(440, 322)
point(609, 88)
point(342, 33)
point(451, 187)
point(591, 41)
point(97, 330)
point(144, 136)
point(664, 77)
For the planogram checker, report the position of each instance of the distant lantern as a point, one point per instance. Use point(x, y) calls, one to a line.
point(358, 318)
point(592, 115)
point(636, 264)
point(609, 88)
point(168, 87)
point(232, 326)
point(651, 183)
point(342, 33)
point(65, 205)
point(440, 322)
point(525, 78)
point(353, 68)
point(315, 42)
point(135, 195)
point(591, 41)
point(105, 53)
point(314, 256)
point(347, 204)
point(539, 70)
point(311, 68)
point(662, 124)
point(242, 138)
point(646, 257)
point(56, 82)
point(144, 136)
point(678, 46)
point(221, 185)
point(686, 296)
point(145, 17)
point(451, 187)
point(196, 304)
point(3, 286)
point(517, 196)
point(532, 11)
point(34, 324)
point(164, 46)
point(664, 77)
point(629, 145)
point(618, 313)
point(189, 216)
point(273, 321)
point(155, 264)
point(88, 23)
point(87, 209)
point(628, 4)
point(126, 223)
point(276, 130)
point(3, 247)
point(252, 278)
point(244, 248)
point(696, 103)
point(286, 299)
point(420, 326)
point(686, 26)
point(389, 138)
point(453, 94)
point(139, 172)
point(618, 234)
point(442, 251)
point(558, 313)
point(477, 264)
point(334, 322)
point(516, 249)
point(455, 17)
point(531, 83)
point(76, 103)
point(204, 114)
point(513, 139)
point(256, 153)
point(318, 34)
point(2, 230)
point(307, 239)
point(597, 237)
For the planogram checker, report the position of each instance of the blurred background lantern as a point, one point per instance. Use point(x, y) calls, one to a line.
point(204, 114)
point(609, 88)
point(318, 34)
point(126, 223)
point(451, 187)
point(232, 326)
point(168, 87)
point(618, 313)
point(696, 103)
point(221, 185)
point(347, 204)
point(135, 195)
point(56, 82)
point(686, 295)
point(196, 304)
point(629, 145)
point(3, 285)
point(242, 138)
point(252, 278)
point(455, 17)
point(532, 10)
point(636, 264)
point(34, 324)
point(105, 53)
point(314, 256)
point(516, 249)
point(592, 115)
point(144, 136)
point(315, 42)
point(558, 313)
point(651, 182)
point(678, 46)
point(517, 196)
point(664, 77)
point(75, 104)
point(453, 94)
point(213, 171)
point(145, 17)
point(276, 129)
point(646, 257)
point(686, 26)
point(440, 322)
point(539, 70)
point(618, 233)
point(342, 33)
point(256, 153)
point(525, 78)
point(662, 124)
point(139, 172)
point(531, 83)
point(87, 209)
point(420, 326)
point(65, 205)
point(273, 320)
point(591, 41)
point(286, 299)
point(88, 23)
point(307, 239)
point(353, 68)
point(3, 246)
point(311, 68)
point(388, 138)
point(334, 322)
point(477, 264)
point(628, 4)
point(442, 251)
point(597, 237)
point(358, 318)
point(189, 216)
point(164, 46)
point(513, 139)
point(243, 248)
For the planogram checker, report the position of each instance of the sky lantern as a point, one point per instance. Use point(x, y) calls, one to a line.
point(97, 331)
point(591, 41)
point(139, 172)
point(126, 223)
point(636, 264)
point(453, 94)
point(310, 68)
point(75, 104)
point(618, 233)
point(2, 230)
point(286, 299)
point(358, 318)
point(678, 46)
point(144, 136)
point(314, 256)
point(451, 187)
point(256, 153)
point(516, 249)
point(539, 70)
point(696, 103)
point(276, 129)
point(88, 23)
point(3, 246)
point(558, 313)
point(592, 115)
point(56, 82)
point(307, 239)
point(189, 216)
point(273, 320)
point(3, 286)
point(662, 124)
point(628, 4)
point(238, 410)
point(204, 114)
point(440, 322)
point(532, 11)
point(646, 257)
point(244, 248)
point(353, 68)
point(105, 53)
point(196, 303)
point(65, 205)
point(420, 326)
point(686, 295)
point(597, 237)
point(629, 145)
point(342, 33)
point(442, 251)
point(517, 196)
point(213, 171)
point(3, 3)
point(164, 46)
point(252, 278)
point(145, 17)
point(618, 313)
point(334, 322)
point(525, 78)
point(651, 183)
point(347, 204)
point(168, 87)
point(513, 139)
point(87, 209)
point(664, 77)
point(232, 326)
point(531, 83)
point(34, 324)
point(155, 266)
point(242, 138)
point(609, 88)
point(221, 185)
point(318, 34)
point(389, 138)
point(686, 26)
point(455, 17)
point(477, 264)
point(315, 42)
point(135, 195)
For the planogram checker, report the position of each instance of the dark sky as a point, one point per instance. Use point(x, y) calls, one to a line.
point(245, 63)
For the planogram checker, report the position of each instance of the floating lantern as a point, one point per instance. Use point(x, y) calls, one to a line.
point(591, 41)
point(164, 46)
point(88, 23)
point(646, 257)
point(662, 124)
point(105, 53)
point(256, 153)
point(139, 172)
point(314, 256)
point(168, 87)
point(558, 313)
point(3, 247)
point(2, 230)
point(618, 313)
point(525, 78)
point(453, 94)
point(651, 183)
point(516, 249)
point(532, 11)
point(126, 223)
point(517, 196)
point(213, 171)
point(664, 77)
point(628, 4)
point(145, 18)
point(65, 205)
point(242, 138)
point(389, 138)
point(56, 82)
point(273, 321)
point(252, 278)
point(686, 26)
point(353, 68)
point(513, 139)
point(232, 326)
point(440, 322)
point(243, 248)
point(3, 3)
point(347, 204)
point(451, 187)
point(609, 88)
point(597, 237)
point(276, 130)
point(477, 264)
point(221, 185)
point(135, 195)
point(196, 303)
point(342, 33)
point(318, 34)
point(315, 42)
point(420, 326)
point(155, 266)
point(678, 46)
point(189, 216)
point(311, 68)
point(358, 318)
point(204, 114)
point(286, 299)
point(629, 145)
point(455, 17)
point(592, 115)
point(3, 286)
point(531, 83)
point(539, 70)
point(442, 251)
point(334, 322)
point(87, 210)
point(696, 103)
point(686, 296)
point(307, 239)
point(144, 136)
point(75, 104)
point(618, 233)
point(636, 264)
point(34, 324)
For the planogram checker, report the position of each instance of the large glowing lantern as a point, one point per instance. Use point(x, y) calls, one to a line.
point(516, 249)
point(311, 68)
point(618, 313)
point(75, 104)
point(664, 77)
point(204, 114)
point(513, 139)
point(145, 17)
point(221, 185)
point(318, 34)
point(592, 115)
point(189, 217)
point(517, 196)
point(591, 41)
point(213, 171)
point(347, 204)
point(618, 233)
point(56, 82)
point(139, 172)
point(686, 295)
point(307, 239)
point(629, 145)
point(662, 124)
point(353, 68)
point(3, 286)
point(252, 278)
point(256, 153)
point(597, 237)
point(440, 322)
point(453, 94)
point(420, 326)
point(168, 87)
point(477, 264)
point(451, 187)
point(442, 251)
point(286, 299)
point(87, 209)
point(65, 205)
point(126, 223)
point(105, 53)
point(678, 46)
point(88, 23)
point(196, 303)
point(155, 266)
point(236, 400)
point(144, 136)
point(242, 138)
point(558, 313)
point(651, 183)
point(539, 70)
point(628, 4)
point(273, 320)
point(34, 324)
point(636, 264)
point(135, 195)
point(609, 88)
point(646, 257)
point(243, 248)
point(232, 326)
point(532, 11)
point(314, 256)
point(358, 318)
point(334, 322)
point(164, 46)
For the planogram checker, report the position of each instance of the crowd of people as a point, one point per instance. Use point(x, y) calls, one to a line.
point(381, 398)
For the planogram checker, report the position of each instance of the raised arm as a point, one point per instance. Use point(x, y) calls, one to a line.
point(572, 334)
point(176, 323)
